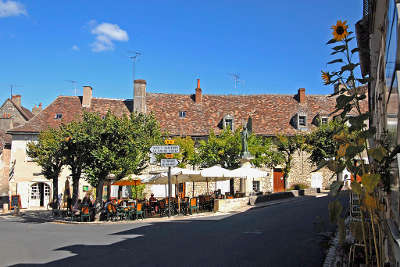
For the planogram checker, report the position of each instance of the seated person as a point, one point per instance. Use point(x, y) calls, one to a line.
point(152, 198)
point(77, 207)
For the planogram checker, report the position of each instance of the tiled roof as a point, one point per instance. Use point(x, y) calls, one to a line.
point(24, 111)
point(271, 114)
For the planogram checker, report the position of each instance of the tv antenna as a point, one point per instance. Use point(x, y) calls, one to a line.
point(73, 84)
point(12, 86)
point(236, 78)
point(134, 58)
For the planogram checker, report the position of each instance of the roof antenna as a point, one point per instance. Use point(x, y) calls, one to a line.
point(236, 78)
point(73, 83)
point(11, 89)
point(134, 58)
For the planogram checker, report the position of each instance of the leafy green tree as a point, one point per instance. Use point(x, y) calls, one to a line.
point(288, 145)
point(321, 143)
point(188, 154)
point(264, 152)
point(223, 149)
point(76, 147)
point(47, 152)
point(120, 146)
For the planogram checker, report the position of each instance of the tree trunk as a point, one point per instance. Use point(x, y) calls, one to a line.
point(75, 189)
point(99, 200)
point(55, 192)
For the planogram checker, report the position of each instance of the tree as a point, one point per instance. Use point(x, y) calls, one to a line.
point(264, 152)
point(120, 146)
point(322, 143)
point(47, 152)
point(288, 145)
point(76, 147)
point(223, 149)
point(187, 154)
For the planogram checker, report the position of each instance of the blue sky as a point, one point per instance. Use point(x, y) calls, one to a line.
point(275, 46)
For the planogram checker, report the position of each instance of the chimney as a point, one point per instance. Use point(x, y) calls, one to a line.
point(17, 100)
point(87, 96)
point(197, 99)
point(302, 95)
point(36, 110)
point(139, 96)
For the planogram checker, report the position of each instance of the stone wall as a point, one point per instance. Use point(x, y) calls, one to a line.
point(8, 109)
point(4, 172)
point(302, 170)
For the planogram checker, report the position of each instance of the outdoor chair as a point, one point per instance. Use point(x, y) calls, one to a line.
point(139, 211)
point(163, 207)
point(85, 213)
point(131, 211)
point(193, 205)
point(121, 213)
point(111, 212)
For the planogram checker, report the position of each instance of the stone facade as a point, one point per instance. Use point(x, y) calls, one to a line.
point(302, 172)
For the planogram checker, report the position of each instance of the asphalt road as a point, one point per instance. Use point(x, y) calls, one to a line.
point(278, 235)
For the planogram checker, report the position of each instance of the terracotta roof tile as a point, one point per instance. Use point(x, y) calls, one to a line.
point(271, 114)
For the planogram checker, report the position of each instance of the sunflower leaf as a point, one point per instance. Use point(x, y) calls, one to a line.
point(335, 61)
point(339, 48)
point(348, 40)
point(331, 41)
point(354, 50)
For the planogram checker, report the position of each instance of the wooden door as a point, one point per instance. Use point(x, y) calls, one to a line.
point(279, 183)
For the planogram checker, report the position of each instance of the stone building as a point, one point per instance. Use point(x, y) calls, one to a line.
point(12, 114)
point(180, 115)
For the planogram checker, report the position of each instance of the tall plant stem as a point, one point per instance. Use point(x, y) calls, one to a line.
point(374, 235)
point(364, 238)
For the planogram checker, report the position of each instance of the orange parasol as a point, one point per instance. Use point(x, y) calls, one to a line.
point(127, 182)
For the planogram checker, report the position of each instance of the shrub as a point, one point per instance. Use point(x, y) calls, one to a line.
point(298, 187)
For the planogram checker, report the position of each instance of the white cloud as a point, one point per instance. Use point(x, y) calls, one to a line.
point(75, 48)
point(106, 33)
point(11, 8)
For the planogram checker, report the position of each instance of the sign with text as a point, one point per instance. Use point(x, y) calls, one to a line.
point(164, 149)
point(169, 162)
point(169, 141)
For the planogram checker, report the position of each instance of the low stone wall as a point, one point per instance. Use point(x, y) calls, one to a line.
point(225, 205)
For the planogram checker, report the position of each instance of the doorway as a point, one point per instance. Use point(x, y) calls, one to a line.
point(279, 182)
point(40, 195)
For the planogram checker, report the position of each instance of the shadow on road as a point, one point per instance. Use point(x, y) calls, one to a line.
point(281, 235)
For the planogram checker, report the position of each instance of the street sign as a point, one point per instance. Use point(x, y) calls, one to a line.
point(164, 149)
point(169, 162)
point(169, 141)
point(169, 156)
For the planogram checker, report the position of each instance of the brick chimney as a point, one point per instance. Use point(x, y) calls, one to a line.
point(17, 100)
point(139, 96)
point(87, 96)
point(302, 95)
point(198, 96)
point(37, 109)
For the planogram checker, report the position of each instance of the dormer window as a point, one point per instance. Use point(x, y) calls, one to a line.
point(302, 121)
point(182, 114)
point(58, 116)
point(228, 122)
point(324, 120)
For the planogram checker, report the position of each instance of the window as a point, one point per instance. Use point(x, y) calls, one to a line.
point(58, 116)
point(256, 186)
point(182, 114)
point(228, 122)
point(324, 120)
point(302, 120)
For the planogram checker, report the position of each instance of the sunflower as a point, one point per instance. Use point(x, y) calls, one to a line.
point(340, 30)
point(325, 76)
